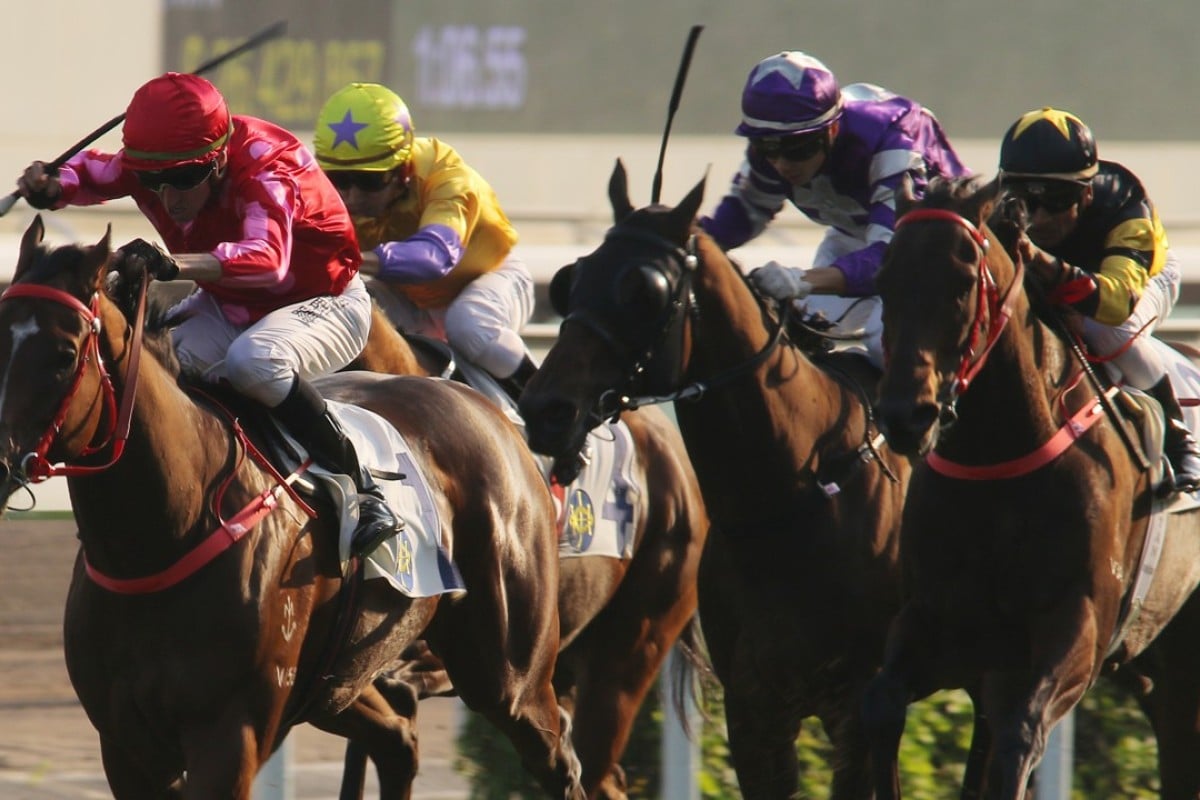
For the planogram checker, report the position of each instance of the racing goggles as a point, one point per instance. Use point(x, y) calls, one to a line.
point(799, 147)
point(364, 181)
point(181, 179)
point(1054, 197)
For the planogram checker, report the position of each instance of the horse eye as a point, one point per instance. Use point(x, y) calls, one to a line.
point(64, 362)
point(643, 289)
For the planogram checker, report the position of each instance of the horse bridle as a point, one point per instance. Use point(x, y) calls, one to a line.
point(682, 302)
point(682, 261)
point(992, 312)
point(34, 466)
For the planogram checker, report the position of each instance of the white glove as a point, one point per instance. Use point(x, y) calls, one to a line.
point(779, 282)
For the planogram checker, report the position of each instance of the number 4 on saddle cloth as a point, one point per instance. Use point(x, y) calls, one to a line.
point(597, 510)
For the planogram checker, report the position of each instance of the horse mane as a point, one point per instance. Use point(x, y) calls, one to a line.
point(123, 290)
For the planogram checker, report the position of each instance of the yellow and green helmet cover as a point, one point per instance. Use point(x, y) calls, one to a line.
point(363, 127)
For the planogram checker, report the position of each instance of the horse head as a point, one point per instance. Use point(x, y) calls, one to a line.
point(625, 308)
point(54, 393)
point(947, 285)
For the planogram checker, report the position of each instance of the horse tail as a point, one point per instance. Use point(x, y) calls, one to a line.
point(691, 675)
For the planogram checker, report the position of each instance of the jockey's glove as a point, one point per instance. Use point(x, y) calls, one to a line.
point(779, 282)
point(39, 186)
point(148, 256)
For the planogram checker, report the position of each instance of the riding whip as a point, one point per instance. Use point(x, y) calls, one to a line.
point(684, 64)
point(254, 41)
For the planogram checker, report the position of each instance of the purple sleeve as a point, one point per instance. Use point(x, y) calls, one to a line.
point(427, 255)
point(860, 267)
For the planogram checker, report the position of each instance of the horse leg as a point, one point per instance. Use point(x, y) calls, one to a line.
point(1022, 706)
point(385, 732)
point(502, 669)
point(977, 753)
point(129, 780)
point(851, 756)
point(762, 730)
point(913, 650)
point(619, 657)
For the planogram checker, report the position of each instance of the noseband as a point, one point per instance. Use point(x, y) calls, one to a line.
point(992, 312)
point(663, 350)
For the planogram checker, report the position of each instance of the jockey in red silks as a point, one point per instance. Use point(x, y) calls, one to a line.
point(247, 214)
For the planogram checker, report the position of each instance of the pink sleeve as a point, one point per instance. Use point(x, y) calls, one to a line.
point(261, 256)
point(92, 177)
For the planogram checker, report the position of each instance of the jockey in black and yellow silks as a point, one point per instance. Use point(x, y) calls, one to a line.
point(1095, 240)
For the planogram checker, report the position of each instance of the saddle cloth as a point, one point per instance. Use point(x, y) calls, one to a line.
point(416, 562)
point(598, 511)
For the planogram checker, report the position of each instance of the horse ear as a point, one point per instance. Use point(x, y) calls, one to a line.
point(618, 192)
point(99, 254)
point(33, 237)
point(560, 290)
point(984, 201)
point(905, 197)
point(684, 214)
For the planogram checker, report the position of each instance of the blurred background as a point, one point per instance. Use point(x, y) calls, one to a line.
point(541, 96)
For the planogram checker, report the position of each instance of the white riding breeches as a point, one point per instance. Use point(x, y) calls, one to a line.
point(870, 310)
point(316, 337)
point(1140, 364)
point(482, 322)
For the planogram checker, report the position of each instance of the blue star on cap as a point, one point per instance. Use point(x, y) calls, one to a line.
point(347, 130)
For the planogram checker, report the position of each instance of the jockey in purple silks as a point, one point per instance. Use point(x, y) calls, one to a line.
point(838, 155)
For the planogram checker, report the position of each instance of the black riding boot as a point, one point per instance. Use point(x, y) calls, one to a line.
point(1179, 445)
point(304, 413)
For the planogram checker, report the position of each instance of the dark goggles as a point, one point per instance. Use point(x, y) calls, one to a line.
point(345, 180)
point(181, 179)
point(1054, 197)
point(790, 148)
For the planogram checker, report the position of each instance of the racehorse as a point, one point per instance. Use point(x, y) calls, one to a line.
point(209, 610)
point(798, 579)
point(1026, 523)
point(618, 617)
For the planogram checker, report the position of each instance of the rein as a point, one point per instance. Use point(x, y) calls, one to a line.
point(35, 467)
point(999, 312)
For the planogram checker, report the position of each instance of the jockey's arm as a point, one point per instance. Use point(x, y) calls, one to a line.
point(370, 263)
point(826, 280)
point(198, 267)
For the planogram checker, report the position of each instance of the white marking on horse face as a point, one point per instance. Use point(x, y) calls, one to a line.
point(20, 332)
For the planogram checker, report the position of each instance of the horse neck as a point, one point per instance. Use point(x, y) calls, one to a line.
point(762, 427)
point(134, 512)
point(1009, 409)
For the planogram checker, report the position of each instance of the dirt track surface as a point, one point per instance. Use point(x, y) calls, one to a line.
point(48, 749)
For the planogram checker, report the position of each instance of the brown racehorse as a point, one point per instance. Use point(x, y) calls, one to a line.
point(797, 582)
point(208, 612)
point(1024, 526)
point(619, 618)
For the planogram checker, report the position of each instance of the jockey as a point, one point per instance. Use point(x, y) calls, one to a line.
point(246, 213)
point(1095, 241)
point(838, 156)
point(432, 230)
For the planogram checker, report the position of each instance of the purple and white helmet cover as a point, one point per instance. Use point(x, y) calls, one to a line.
point(790, 92)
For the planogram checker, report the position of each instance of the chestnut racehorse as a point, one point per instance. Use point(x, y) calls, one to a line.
point(209, 610)
point(798, 580)
point(619, 617)
point(1025, 525)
